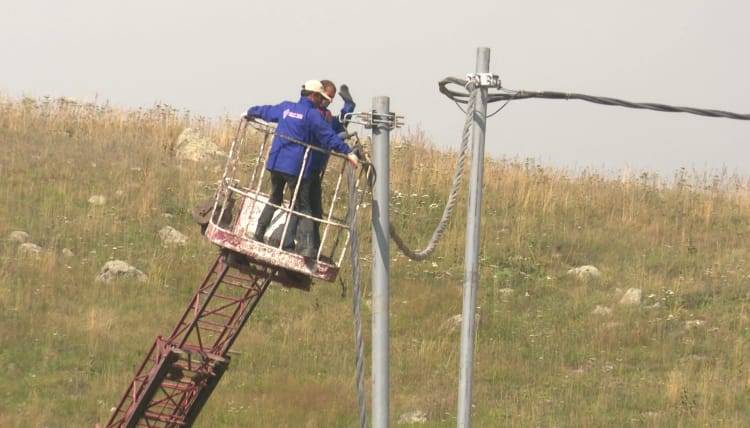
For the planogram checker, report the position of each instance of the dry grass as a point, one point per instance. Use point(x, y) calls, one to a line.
point(69, 345)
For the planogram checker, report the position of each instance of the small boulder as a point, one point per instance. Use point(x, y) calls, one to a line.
point(30, 249)
point(453, 323)
point(413, 417)
point(171, 236)
point(191, 145)
point(632, 297)
point(118, 269)
point(18, 236)
point(97, 200)
point(67, 252)
point(585, 272)
point(602, 310)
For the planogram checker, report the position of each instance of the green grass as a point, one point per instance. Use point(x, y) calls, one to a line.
point(70, 345)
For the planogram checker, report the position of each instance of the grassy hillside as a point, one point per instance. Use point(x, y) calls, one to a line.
point(70, 345)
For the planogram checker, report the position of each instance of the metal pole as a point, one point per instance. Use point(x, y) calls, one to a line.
point(471, 259)
point(380, 266)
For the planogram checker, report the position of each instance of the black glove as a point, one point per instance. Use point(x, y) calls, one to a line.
point(344, 92)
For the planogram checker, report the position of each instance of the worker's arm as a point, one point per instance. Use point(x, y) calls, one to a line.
point(349, 105)
point(269, 113)
point(323, 133)
point(338, 122)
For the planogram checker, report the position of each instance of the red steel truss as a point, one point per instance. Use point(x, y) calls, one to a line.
point(181, 371)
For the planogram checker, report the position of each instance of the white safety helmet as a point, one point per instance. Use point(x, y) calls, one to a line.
point(315, 86)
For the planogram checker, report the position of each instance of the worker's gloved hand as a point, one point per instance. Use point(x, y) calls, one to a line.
point(352, 159)
point(345, 94)
point(246, 116)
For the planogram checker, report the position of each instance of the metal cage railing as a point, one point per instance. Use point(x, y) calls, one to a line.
point(241, 197)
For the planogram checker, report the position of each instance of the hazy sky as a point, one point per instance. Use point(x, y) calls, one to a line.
point(219, 57)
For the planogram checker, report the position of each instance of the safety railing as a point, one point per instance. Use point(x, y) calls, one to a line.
point(241, 196)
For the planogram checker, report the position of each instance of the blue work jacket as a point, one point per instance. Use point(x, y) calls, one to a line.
point(319, 160)
point(300, 121)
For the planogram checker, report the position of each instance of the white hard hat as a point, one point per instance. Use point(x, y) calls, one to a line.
point(315, 86)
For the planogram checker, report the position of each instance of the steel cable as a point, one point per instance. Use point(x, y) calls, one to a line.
point(351, 219)
point(442, 225)
point(508, 95)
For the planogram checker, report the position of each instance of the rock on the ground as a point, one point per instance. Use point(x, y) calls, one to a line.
point(505, 293)
point(118, 269)
point(19, 236)
point(585, 272)
point(171, 236)
point(454, 323)
point(413, 417)
point(632, 297)
point(191, 145)
point(30, 249)
point(97, 200)
point(602, 310)
point(67, 252)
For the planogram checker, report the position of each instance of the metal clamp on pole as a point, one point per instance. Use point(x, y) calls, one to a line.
point(484, 80)
point(374, 119)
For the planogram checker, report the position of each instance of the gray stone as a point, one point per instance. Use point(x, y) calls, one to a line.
point(30, 249)
point(67, 252)
point(585, 272)
point(413, 417)
point(19, 236)
point(118, 269)
point(453, 323)
point(97, 200)
point(505, 294)
point(632, 297)
point(171, 236)
point(602, 310)
point(191, 145)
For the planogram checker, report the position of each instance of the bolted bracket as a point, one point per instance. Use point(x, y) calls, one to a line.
point(375, 120)
point(484, 80)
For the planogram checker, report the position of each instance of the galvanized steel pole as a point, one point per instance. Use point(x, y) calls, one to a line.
point(471, 257)
point(380, 265)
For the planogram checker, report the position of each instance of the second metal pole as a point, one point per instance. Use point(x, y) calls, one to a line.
point(471, 257)
point(380, 266)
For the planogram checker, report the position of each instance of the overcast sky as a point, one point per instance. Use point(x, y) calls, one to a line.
point(219, 57)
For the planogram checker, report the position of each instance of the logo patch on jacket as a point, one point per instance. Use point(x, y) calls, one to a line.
point(292, 114)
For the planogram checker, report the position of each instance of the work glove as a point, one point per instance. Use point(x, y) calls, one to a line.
point(345, 94)
point(246, 116)
point(352, 159)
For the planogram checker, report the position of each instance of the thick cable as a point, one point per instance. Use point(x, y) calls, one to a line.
point(442, 225)
point(507, 95)
point(359, 347)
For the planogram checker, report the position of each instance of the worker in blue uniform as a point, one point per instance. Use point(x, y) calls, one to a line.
point(320, 160)
point(303, 122)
